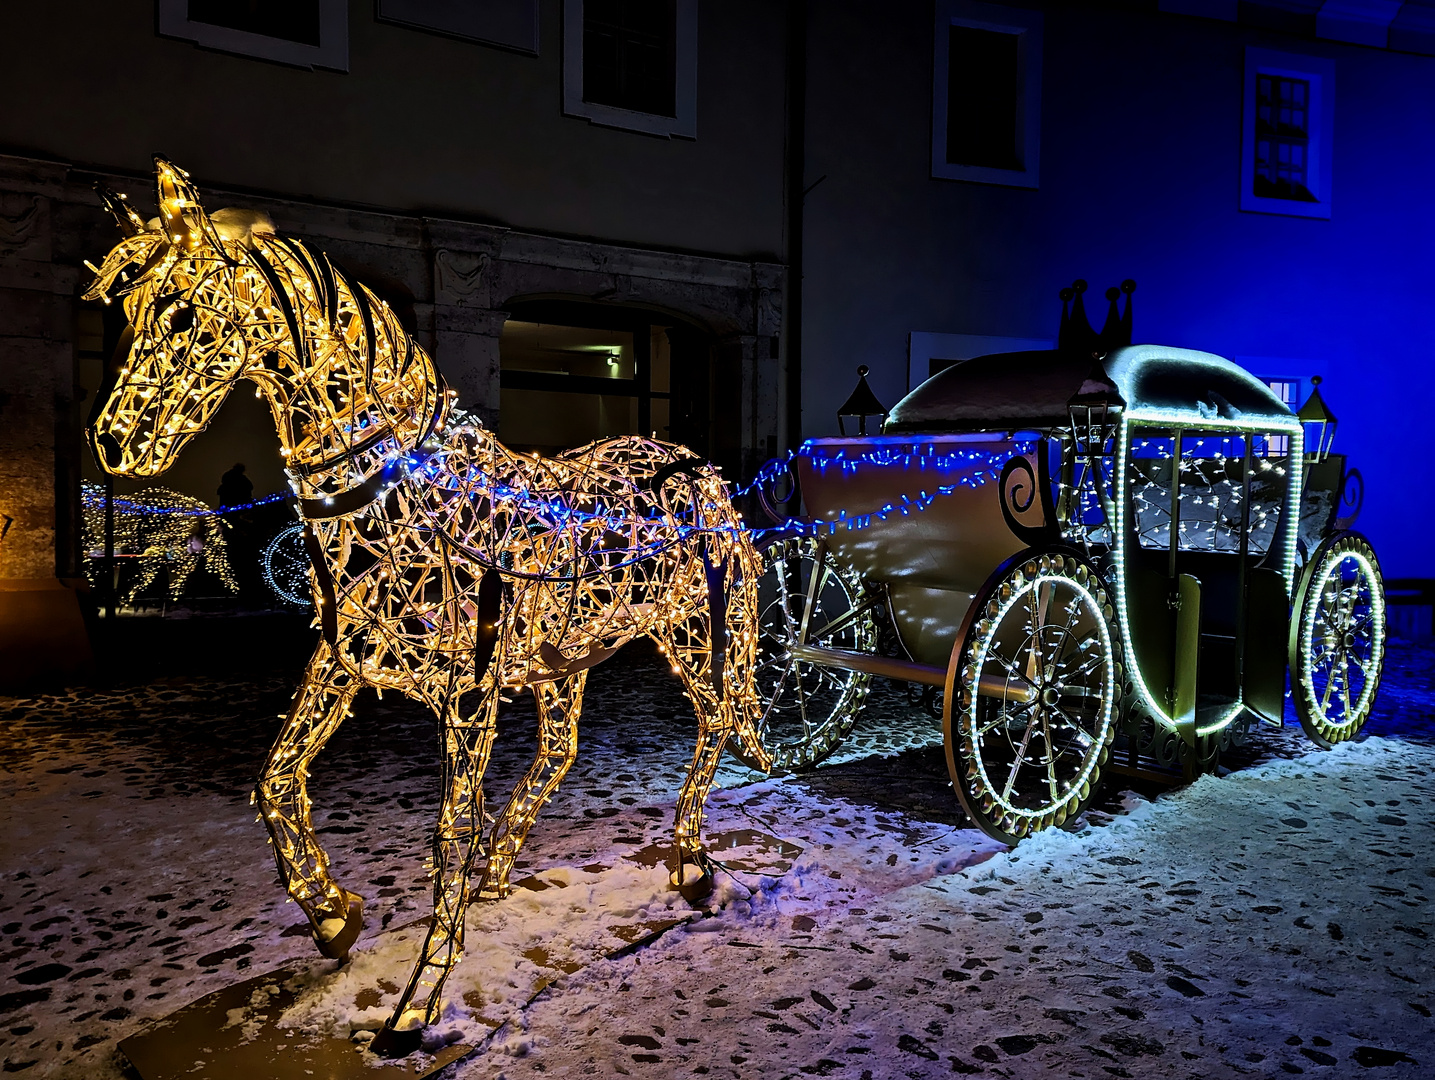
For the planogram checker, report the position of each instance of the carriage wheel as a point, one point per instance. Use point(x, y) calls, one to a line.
point(1337, 640)
point(1035, 678)
point(808, 709)
point(286, 566)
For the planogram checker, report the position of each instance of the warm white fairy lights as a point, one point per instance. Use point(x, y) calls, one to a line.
point(158, 529)
point(1212, 494)
point(444, 566)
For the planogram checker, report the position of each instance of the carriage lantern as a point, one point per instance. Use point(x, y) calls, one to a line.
point(1316, 411)
point(862, 403)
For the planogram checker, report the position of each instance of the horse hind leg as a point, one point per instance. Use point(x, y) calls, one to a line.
point(558, 706)
point(336, 916)
point(457, 842)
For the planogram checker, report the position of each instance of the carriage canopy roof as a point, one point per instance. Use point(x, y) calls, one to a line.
point(1035, 389)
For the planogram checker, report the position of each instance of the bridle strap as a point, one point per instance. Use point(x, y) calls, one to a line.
point(351, 500)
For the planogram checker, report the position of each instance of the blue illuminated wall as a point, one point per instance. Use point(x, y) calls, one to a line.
point(1140, 163)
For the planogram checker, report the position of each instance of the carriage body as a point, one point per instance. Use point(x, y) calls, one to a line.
point(1169, 486)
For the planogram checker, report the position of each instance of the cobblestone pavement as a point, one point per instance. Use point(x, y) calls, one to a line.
point(134, 878)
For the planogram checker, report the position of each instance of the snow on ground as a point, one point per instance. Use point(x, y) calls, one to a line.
point(1274, 920)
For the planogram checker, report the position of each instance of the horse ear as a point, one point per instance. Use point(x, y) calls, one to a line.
point(130, 223)
point(182, 218)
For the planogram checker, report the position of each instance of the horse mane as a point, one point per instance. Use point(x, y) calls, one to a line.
point(377, 371)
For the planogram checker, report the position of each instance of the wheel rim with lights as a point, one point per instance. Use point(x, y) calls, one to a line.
point(808, 709)
point(1030, 710)
point(1337, 646)
point(286, 566)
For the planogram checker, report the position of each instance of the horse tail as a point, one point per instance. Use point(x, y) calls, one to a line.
point(746, 708)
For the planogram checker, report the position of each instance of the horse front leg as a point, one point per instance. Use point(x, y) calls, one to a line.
point(692, 660)
point(335, 916)
point(558, 706)
point(457, 843)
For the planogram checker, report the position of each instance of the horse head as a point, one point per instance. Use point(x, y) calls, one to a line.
point(178, 276)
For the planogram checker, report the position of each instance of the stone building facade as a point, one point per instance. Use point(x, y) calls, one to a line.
point(454, 280)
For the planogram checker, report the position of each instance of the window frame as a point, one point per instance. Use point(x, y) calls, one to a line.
point(1026, 25)
point(1279, 445)
point(331, 53)
point(1319, 73)
point(685, 66)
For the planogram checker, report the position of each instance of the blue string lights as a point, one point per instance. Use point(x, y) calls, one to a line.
point(960, 468)
point(93, 497)
point(952, 469)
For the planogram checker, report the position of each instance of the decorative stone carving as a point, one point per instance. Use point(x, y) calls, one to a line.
point(459, 277)
point(20, 230)
point(769, 311)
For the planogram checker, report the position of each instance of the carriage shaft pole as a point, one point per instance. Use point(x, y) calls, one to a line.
point(892, 668)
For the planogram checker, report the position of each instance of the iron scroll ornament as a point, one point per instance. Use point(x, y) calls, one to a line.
point(1348, 504)
point(1020, 487)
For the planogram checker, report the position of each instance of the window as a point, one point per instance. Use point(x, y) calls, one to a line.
point(296, 21)
point(929, 353)
point(1288, 390)
point(1282, 137)
point(632, 64)
point(570, 373)
point(982, 98)
point(305, 33)
point(629, 52)
point(986, 94)
point(1286, 138)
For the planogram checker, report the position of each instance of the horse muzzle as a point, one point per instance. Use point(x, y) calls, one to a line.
point(107, 450)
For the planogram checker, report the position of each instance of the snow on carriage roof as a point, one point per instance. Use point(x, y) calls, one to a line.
point(1035, 389)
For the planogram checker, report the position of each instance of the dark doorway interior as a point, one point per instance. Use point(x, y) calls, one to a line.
point(573, 371)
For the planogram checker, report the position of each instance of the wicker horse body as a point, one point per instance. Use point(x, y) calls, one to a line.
point(445, 566)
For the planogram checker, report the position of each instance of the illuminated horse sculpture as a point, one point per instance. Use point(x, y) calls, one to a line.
point(443, 563)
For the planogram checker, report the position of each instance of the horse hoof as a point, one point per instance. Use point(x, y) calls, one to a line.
point(694, 884)
point(338, 946)
point(393, 1043)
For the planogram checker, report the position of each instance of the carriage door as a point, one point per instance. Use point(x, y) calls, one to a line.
point(1205, 512)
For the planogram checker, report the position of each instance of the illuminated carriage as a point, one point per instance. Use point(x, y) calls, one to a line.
point(1008, 539)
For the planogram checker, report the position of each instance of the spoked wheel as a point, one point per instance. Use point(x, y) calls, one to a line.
point(808, 709)
point(1337, 640)
point(286, 566)
point(1031, 695)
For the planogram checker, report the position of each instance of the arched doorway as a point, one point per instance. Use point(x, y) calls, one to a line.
point(571, 371)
